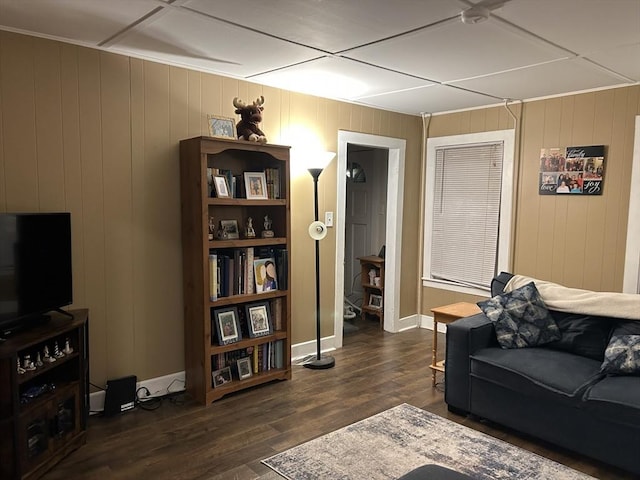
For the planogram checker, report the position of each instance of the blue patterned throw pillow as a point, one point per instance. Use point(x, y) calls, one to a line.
point(521, 318)
point(622, 356)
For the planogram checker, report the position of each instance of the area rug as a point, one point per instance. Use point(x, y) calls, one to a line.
point(398, 440)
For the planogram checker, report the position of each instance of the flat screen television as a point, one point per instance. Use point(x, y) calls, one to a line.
point(35, 267)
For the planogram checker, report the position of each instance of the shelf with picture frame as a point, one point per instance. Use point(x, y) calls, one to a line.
point(201, 217)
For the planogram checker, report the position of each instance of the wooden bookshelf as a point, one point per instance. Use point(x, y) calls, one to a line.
point(376, 264)
point(203, 353)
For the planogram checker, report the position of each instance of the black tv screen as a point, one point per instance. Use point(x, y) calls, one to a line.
point(35, 266)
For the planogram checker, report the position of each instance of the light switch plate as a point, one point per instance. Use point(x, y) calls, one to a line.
point(328, 219)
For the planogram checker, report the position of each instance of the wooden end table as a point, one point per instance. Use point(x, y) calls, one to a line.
point(446, 315)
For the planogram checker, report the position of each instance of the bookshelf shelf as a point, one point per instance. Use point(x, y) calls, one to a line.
point(219, 273)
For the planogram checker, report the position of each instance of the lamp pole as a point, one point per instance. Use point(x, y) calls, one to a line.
point(320, 363)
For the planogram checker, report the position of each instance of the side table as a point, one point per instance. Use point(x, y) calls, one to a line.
point(446, 315)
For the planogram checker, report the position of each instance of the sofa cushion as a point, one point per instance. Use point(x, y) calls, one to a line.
point(584, 335)
point(521, 318)
point(615, 399)
point(538, 372)
point(627, 327)
point(622, 356)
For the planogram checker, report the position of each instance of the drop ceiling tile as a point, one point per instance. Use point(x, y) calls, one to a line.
point(185, 38)
point(430, 99)
point(564, 76)
point(455, 51)
point(86, 22)
point(330, 25)
point(578, 25)
point(618, 60)
point(338, 78)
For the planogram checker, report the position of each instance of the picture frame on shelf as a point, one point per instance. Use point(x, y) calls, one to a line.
point(227, 325)
point(229, 230)
point(255, 184)
point(265, 275)
point(220, 377)
point(221, 127)
point(243, 367)
point(375, 301)
point(258, 319)
point(221, 186)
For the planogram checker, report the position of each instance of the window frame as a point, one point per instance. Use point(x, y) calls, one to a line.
point(507, 137)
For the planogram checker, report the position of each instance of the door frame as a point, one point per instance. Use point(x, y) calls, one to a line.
point(631, 280)
point(393, 235)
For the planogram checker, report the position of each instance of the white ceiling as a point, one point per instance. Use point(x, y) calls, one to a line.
point(407, 56)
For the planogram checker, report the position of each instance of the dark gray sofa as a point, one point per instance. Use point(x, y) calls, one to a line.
point(555, 392)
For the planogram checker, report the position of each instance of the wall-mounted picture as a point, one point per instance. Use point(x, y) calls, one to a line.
point(229, 230)
point(227, 325)
point(243, 366)
point(259, 320)
point(265, 274)
point(220, 377)
point(572, 171)
point(221, 127)
point(255, 184)
point(221, 186)
point(375, 301)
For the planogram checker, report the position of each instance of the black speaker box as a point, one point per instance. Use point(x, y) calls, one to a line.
point(121, 395)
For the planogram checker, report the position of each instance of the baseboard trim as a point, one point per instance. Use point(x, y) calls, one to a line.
point(304, 349)
point(158, 387)
point(427, 322)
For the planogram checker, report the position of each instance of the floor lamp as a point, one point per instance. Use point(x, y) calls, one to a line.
point(317, 231)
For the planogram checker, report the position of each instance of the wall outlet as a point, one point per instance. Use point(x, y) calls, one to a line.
point(328, 219)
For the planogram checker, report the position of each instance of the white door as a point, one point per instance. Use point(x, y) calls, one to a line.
point(357, 232)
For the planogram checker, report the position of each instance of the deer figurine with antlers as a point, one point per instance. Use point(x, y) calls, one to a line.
point(250, 117)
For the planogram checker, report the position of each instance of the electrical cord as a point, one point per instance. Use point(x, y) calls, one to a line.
point(147, 402)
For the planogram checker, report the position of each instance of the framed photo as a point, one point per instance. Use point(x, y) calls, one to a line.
point(375, 301)
point(220, 377)
point(255, 184)
point(265, 275)
point(243, 365)
point(221, 186)
point(221, 127)
point(229, 230)
point(259, 319)
point(227, 325)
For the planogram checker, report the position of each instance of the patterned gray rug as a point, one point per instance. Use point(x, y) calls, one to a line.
point(394, 442)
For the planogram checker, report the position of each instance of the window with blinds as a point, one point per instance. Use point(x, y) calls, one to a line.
point(468, 205)
point(466, 213)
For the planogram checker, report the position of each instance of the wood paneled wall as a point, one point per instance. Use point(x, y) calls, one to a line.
point(577, 241)
point(97, 134)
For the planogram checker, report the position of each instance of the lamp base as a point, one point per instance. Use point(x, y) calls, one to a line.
point(321, 363)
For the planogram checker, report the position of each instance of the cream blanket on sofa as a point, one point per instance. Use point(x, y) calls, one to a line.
point(565, 299)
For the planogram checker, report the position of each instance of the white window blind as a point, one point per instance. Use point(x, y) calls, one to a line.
point(466, 213)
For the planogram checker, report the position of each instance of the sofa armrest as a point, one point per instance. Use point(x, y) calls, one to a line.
point(464, 337)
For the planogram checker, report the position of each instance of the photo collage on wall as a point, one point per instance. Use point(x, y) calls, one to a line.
point(573, 171)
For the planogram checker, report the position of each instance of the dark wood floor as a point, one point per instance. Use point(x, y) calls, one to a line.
point(180, 440)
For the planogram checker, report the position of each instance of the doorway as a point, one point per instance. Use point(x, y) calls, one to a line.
point(394, 150)
point(365, 217)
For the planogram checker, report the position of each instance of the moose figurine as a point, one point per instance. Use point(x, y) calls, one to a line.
point(250, 117)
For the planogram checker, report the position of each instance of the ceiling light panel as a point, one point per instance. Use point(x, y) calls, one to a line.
point(330, 25)
point(455, 51)
point(564, 76)
point(337, 78)
point(86, 22)
point(617, 59)
point(185, 38)
point(582, 26)
point(431, 99)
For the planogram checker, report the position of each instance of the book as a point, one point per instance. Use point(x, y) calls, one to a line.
point(266, 278)
point(213, 277)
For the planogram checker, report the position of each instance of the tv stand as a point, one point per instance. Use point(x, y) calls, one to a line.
point(63, 312)
point(40, 425)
